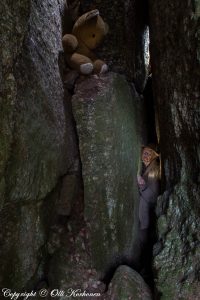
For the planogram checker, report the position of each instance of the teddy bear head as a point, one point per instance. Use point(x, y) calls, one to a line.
point(90, 29)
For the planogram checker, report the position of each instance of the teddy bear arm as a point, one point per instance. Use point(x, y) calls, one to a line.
point(82, 49)
point(81, 63)
point(70, 43)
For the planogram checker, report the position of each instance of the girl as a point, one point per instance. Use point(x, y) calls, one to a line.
point(148, 184)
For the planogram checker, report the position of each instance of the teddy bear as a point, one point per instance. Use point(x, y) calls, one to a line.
point(87, 34)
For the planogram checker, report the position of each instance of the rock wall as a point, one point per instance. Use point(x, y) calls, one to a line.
point(37, 138)
point(175, 36)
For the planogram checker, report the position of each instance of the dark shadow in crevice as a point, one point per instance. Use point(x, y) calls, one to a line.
point(149, 112)
point(148, 272)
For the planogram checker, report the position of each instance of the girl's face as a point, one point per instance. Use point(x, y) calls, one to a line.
point(147, 156)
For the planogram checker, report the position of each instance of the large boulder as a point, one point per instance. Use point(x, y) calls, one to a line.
point(106, 112)
point(128, 284)
point(174, 34)
point(37, 139)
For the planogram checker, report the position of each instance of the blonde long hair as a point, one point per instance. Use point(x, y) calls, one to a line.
point(153, 169)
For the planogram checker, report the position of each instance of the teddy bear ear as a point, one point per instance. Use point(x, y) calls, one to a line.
point(92, 14)
point(84, 18)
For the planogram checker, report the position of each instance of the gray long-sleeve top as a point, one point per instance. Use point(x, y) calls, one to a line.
point(148, 196)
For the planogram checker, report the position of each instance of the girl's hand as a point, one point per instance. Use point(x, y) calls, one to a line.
point(140, 180)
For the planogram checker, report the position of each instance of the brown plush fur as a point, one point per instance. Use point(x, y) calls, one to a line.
point(87, 34)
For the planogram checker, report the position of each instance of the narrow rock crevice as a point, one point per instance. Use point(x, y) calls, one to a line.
point(69, 79)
